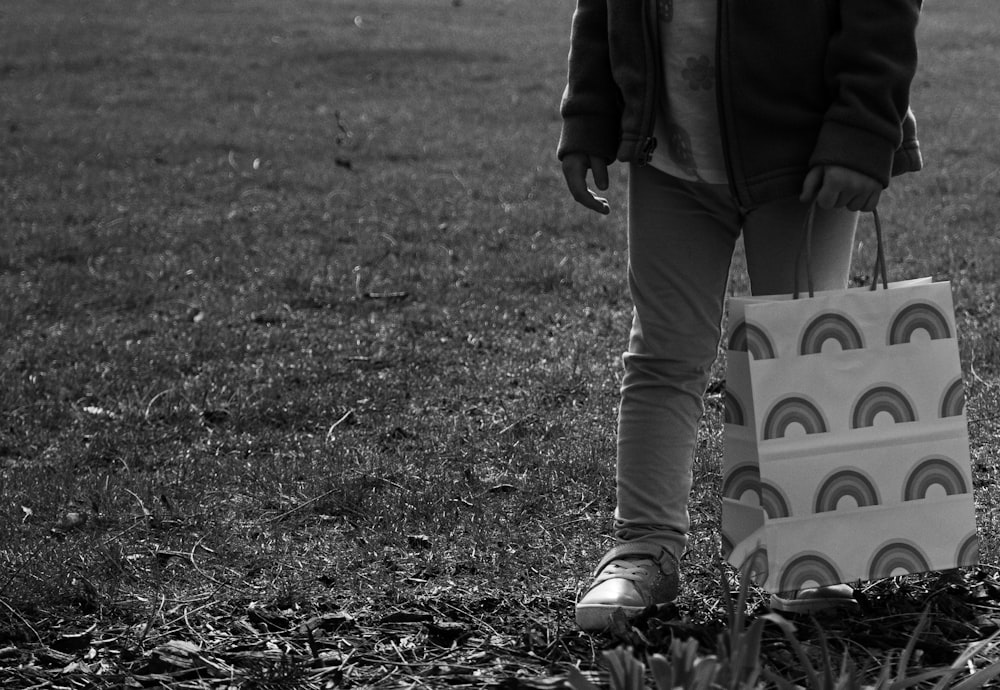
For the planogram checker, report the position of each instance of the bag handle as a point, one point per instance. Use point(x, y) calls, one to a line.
point(806, 252)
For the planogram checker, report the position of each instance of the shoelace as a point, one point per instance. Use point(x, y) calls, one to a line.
point(635, 570)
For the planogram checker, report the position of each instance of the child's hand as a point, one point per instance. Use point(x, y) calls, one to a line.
point(575, 167)
point(832, 186)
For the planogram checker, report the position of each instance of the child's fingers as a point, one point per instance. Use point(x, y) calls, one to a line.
point(844, 188)
point(594, 202)
point(865, 202)
point(575, 172)
point(578, 188)
point(811, 185)
point(832, 195)
point(600, 170)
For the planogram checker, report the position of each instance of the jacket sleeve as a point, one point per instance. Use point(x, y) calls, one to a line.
point(871, 61)
point(590, 105)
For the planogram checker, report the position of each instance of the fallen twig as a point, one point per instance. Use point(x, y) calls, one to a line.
point(344, 418)
point(302, 505)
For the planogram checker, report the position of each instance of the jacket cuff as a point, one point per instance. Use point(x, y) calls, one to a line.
point(588, 134)
point(856, 149)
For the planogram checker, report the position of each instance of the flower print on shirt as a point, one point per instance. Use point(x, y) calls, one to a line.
point(698, 73)
point(679, 149)
point(665, 10)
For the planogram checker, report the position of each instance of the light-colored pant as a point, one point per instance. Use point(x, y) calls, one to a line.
point(681, 238)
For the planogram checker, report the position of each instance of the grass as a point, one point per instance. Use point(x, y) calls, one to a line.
point(309, 365)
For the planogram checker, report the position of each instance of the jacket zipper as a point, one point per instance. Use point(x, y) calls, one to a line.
point(647, 142)
point(648, 146)
point(720, 101)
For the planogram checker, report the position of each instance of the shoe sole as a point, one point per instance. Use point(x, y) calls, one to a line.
point(811, 605)
point(598, 617)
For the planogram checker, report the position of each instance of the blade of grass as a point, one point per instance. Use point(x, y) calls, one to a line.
point(578, 681)
point(980, 678)
point(911, 645)
point(788, 628)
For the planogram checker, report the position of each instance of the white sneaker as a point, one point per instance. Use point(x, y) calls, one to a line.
point(631, 577)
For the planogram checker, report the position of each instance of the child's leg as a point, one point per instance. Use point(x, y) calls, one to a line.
point(772, 235)
point(681, 241)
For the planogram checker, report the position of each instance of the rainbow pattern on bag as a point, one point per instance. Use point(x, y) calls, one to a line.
point(830, 326)
point(846, 439)
point(749, 338)
point(794, 409)
point(851, 484)
point(885, 400)
point(921, 316)
point(939, 472)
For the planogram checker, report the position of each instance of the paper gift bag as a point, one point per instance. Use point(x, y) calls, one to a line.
point(846, 445)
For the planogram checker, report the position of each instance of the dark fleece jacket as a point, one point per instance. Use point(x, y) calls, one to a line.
point(801, 83)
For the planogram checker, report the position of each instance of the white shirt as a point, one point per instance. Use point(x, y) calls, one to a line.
point(689, 143)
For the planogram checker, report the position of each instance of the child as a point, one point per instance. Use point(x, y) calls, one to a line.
point(733, 117)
